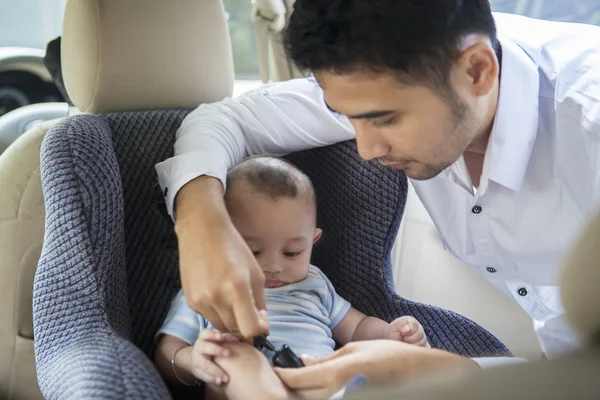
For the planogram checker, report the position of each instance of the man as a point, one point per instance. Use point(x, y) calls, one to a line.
point(500, 135)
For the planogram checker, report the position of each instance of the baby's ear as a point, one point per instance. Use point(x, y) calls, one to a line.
point(318, 233)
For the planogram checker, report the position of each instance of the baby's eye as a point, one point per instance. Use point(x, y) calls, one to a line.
point(256, 253)
point(291, 254)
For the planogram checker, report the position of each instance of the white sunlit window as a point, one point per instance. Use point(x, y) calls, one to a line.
point(582, 11)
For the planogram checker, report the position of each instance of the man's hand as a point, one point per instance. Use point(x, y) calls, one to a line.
point(379, 360)
point(408, 330)
point(220, 277)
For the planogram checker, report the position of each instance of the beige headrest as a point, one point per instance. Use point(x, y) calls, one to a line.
point(125, 55)
point(581, 281)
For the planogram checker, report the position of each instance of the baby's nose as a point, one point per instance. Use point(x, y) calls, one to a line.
point(272, 269)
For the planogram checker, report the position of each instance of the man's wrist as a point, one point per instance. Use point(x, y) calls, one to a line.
point(200, 203)
point(433, 359)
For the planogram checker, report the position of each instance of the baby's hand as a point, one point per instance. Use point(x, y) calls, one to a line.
point(205, 349)
point(408, 330)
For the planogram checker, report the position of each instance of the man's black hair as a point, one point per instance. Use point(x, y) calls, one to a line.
point(415, 39)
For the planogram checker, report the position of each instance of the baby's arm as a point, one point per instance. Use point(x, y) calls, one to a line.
point(167, 346)
point(242, 365)
point(183, 364)
point(357, 326)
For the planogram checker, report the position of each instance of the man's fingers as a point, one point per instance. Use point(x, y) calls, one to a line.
point(210, 313)
point(329, 372)
point(257, 284)
point(226, 314)
point(309, 360)
point(246, 314)
point(311, 377)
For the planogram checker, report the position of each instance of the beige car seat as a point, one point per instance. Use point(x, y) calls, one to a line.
point(575, 375)
point(143, 65)
point(21, 236)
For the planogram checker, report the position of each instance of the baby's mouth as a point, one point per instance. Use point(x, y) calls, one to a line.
point(274, 283)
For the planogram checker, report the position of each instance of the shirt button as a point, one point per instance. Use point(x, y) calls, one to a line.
point(476, 209)
point(166, 192)
point(491, 269)
point(522, 292)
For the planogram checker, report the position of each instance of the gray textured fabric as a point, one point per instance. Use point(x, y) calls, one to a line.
point(107, 273)
point(360, 206)
point(81, 316)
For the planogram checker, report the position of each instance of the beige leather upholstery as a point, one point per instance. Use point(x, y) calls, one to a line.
point(21, 236)
point(145, 54)
point(581, 283)
point(572, 377)
point(117, 55)
point(576, 375)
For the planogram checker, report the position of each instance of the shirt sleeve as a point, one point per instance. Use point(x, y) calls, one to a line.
point(489, 362)
point(335, 304)
point(182, 322)
point(274, 119)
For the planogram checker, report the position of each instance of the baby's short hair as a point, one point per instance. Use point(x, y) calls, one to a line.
point(271, 176)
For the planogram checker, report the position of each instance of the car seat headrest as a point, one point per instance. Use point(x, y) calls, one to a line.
point(145, 54)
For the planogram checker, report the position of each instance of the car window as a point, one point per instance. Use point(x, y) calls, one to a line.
point(30, 23)
point(243, 39)
point(33, 23)
point(582, 11)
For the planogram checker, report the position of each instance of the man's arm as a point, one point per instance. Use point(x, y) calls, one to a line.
point(275, 119)
point(219, 274)
point(380, 361)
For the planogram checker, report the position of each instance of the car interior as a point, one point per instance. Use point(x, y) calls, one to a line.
point(131, 79)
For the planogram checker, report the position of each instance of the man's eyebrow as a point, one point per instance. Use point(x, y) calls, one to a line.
point(365, 115)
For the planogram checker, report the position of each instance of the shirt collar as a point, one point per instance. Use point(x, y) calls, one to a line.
point(516, 123)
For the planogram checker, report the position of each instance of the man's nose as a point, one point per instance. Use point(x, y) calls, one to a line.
point(370, 143)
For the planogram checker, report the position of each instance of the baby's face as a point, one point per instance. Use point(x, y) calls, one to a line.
point(279, 231)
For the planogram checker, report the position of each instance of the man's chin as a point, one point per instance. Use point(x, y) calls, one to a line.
point(423, 173)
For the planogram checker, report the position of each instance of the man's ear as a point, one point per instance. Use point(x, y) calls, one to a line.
point(318, 234)
point(480, 67)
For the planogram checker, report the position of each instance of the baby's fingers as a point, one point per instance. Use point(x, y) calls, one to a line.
point(211, 349)
point(207, 371)
point(217, 337)
point(416, 336)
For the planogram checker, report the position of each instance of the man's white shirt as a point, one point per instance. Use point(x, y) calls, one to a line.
point(541, 174)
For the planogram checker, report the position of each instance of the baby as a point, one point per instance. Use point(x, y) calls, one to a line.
point(273, 206)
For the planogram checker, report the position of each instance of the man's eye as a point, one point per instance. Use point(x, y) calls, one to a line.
point(290, 254)
point(256, 253)
point(381, 123)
